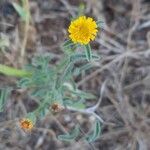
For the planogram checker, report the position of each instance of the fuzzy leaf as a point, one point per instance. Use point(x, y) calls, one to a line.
point(95, 133)
point(83, 95)
point(24, 82)
point(81, 9)
point(81, 57)
point(88, 52)
point(70, 136)
point(68, 43)
point(77, 104)
point(32, 117)
point(100, 24)
point(67, 72)
point(69, 47)
point(79, 70)
point(4, 93)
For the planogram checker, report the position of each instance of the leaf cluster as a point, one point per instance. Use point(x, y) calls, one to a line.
point(51, 84)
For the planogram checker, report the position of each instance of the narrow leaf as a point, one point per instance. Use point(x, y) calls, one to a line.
point(95, 133)
point(14, 72)
point(68, 43)
point(70, 136)
point(79, 70)
point(81, 9)
point(83, 94)
point(81, 56)
point(100, 24)
point(77, 104)
point(67, 72)
point(88, 52)
point(69, 47)
point(4, 93)
point(22, 13)
point(24, 82)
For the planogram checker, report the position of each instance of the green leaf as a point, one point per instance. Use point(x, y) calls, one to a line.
point(75, 104)
point(95, 133)
point(21, 11)
point(79, 70)
point(4, 93)
point(67, 72)
point(23, 2)
point(32, 117)
point(70, 136)
point(81, 9)
point(41, 60)
point(24, 82)
point(43, 112)
point(10, 71)
point(39, 93)
point(88, 52)
point(100, 24)
point(69, 47)
point(62, 64)
point(84, 95)
point(81, 57)
point(68, 85)
point(78, 105)
point(68, 43)
point(74, 92)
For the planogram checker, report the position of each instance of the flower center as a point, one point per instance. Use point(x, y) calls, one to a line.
point(83, 30)
point(25, 124)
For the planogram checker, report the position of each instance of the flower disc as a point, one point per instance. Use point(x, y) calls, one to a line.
point(83, 30)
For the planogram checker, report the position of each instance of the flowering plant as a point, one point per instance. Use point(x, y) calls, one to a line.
point(54, 86)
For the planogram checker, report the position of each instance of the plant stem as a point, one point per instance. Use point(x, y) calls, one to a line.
point(26, 28)
point(10, 71)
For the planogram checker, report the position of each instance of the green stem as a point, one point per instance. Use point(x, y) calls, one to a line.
point(14, 72)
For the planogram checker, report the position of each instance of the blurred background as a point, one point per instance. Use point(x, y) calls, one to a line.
point(124, 46)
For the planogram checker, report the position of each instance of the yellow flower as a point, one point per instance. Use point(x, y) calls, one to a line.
point(26, 124)
point(83, 30)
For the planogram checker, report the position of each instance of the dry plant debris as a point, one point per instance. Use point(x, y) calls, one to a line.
point(123, 70)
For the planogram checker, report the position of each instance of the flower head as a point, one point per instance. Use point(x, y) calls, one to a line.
point(55, 107)
point(83, 30)
point(26, 124)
